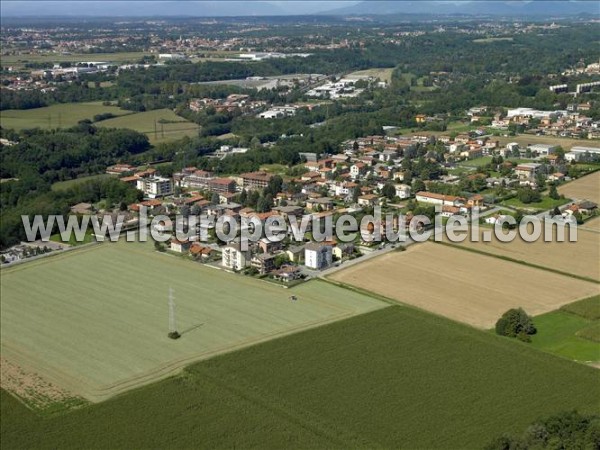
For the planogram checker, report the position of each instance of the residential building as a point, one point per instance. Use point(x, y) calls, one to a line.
point(255, 180)
point(367, 200)
point(402, 191)
point(317, 256)
point(527, 170)
point(154, 187)
point(179, 246)
point(233, 257)
point(222, 185)
point(264, 263)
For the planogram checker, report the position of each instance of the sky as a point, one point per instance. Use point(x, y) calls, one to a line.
point(185, 7)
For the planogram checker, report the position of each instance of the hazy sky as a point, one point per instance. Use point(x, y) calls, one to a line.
point(179, 7)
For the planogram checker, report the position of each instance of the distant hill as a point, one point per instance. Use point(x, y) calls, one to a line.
point(481, 7)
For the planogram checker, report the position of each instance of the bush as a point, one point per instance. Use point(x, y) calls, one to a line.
point(516, 323)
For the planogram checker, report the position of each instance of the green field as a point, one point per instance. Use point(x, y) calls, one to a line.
point(393, 378)
point(160, 125)
point(95, 321)
point(62, 115)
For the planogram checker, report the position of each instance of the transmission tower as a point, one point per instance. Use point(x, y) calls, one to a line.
point(173, 333)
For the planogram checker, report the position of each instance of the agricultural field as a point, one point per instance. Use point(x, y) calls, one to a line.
point(95, 321)
point(464, 286)
point(392, 378)
point(63, 115)
point(160, 125)
point(572, 331)
point(581, 258)
point(586, 187)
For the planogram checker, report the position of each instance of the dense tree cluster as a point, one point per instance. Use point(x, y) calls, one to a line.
point(566, 430)
point(516, 323)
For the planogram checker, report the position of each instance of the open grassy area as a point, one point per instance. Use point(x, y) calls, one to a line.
point(545, 204)
point(67, 184)
point(61, 115)
point(560, 332)
point(160, 125)
point(393, 378)
point(94, 321)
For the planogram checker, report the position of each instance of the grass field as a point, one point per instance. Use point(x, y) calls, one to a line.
point(464, 286)
point(581, 258)
point(62, 115)
point(160, 125)
point(560, 332)
point(393, 378)
point(587, 187)
point(67, 184)
point(94, 322)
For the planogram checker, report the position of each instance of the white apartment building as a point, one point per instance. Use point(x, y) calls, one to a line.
point(154, 187)
point(233, 257)
point(318, 256)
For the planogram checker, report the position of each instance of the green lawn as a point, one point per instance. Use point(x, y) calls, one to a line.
point(557, 333)
point(546, 203)
point(393, 378)
point(94, 321)
point(61, 115)
point(160, 125)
